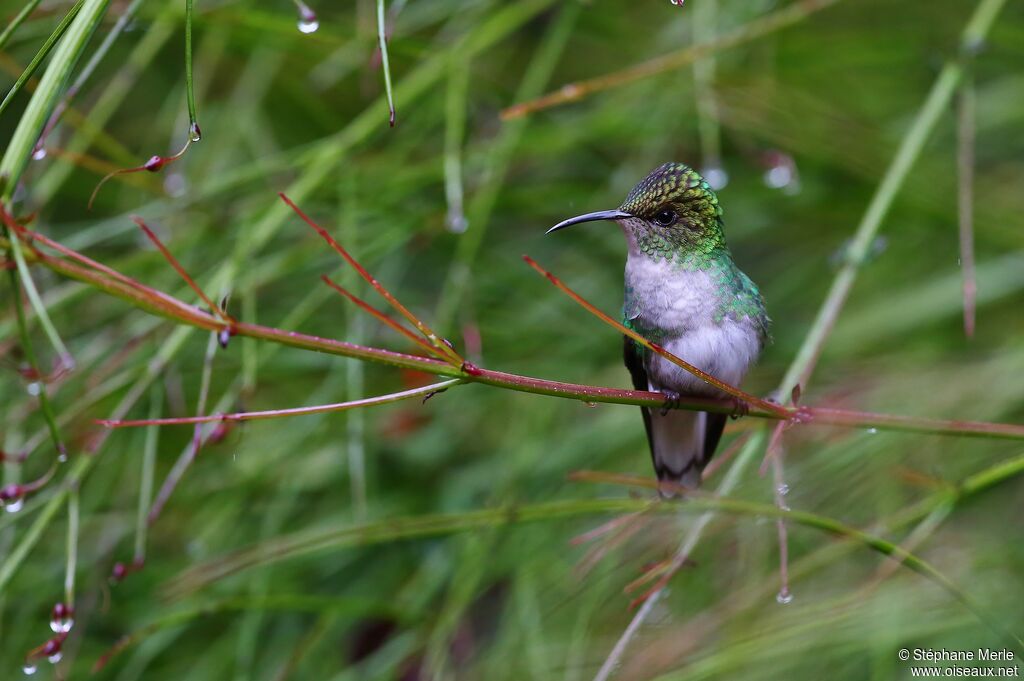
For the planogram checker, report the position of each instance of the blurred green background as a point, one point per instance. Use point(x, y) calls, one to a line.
point(827, 99)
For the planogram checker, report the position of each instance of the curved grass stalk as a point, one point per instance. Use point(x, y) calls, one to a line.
point(354, 608)
point(382, 42)
point(372, 533)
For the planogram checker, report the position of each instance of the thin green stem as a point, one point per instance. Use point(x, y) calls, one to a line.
point(191, 452)
point(708, 128)
point(190, 92)
point(30, 355)
point(17, 21)
point(382, 41)
point(40, 56)
point(456, 92)
point(72, 547)
point(146, 480)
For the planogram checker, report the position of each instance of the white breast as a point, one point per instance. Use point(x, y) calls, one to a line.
point(683, 305)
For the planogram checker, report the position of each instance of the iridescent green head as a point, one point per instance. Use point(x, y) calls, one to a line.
point(672, 209)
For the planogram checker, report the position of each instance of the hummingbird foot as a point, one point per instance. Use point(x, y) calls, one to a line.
point(671, 401)
point(739, 408)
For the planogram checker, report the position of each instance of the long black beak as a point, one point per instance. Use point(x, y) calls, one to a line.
point(590, 217)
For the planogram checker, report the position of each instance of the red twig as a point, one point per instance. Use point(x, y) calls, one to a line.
point(154, 164)
point(388, 321)
point(453, 357)
point(30, 236)
point(181, 270)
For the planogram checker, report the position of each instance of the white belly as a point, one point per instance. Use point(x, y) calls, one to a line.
point(683, 306)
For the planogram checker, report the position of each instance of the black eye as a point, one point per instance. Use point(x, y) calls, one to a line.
point(665, 217)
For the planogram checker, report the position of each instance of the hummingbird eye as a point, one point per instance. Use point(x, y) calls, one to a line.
point(665, 217)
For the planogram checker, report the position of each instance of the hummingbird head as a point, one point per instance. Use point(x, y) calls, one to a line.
point(673, 209)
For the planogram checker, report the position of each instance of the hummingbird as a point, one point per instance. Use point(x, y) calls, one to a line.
point(684, 292)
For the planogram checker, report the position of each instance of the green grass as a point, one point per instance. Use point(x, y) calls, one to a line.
point(436, 536)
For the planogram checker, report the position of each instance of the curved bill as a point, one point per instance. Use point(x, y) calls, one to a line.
point(590, 217)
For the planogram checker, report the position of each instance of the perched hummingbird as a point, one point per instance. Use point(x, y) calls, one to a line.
point(684, 292)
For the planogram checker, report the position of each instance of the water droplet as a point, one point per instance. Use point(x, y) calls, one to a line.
point(782, 489)
point(784, 596)
point(34, 388)
point(14, 506)
point(55, 658)
point(715, 176)
point(872, 431)
point(308, 22)
point(677, 3)
point(39, 154)
point(571, 91)
point(62, 618)
point(194, 133)
point(28, 669)
point(457, 223)
point(591, 404)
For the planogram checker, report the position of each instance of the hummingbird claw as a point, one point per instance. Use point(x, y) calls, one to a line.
point(671, 401)
point(739, 408)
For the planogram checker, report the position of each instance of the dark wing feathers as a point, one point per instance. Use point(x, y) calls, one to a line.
point(632, 355)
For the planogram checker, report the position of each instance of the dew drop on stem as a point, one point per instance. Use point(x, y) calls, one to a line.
point(14, 506)
point(308, 22)
point(784, 596)
point(62, 618)
point(28, 669)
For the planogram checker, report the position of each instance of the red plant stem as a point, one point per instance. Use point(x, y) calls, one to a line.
point(383, 318)
point(154, 164)
point(761, 26)
point(434, 339)
point(780, 411)
point(186, 314)
point(64, 250)
point(180, 270)
point(282, 413)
